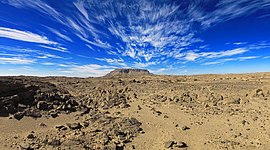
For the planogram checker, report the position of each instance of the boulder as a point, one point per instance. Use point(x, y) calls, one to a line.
point(74, 126)
point(24, 146)
point(18, 115)
point(42, 105)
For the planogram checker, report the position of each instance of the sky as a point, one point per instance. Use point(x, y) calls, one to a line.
point(89, 38)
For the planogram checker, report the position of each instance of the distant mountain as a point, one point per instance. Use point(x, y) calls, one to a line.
point(128, 72)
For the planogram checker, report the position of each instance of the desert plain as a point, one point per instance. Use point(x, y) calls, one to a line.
point(133, 109)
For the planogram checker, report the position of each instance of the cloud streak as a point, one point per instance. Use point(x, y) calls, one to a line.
point(222, 61)
point(16, 60)
point(89, 70)
point(24, 36)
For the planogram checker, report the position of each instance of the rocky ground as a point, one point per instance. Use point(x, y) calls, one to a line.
point(136, 110)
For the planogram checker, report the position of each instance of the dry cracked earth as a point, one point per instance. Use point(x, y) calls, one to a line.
point(132, 109)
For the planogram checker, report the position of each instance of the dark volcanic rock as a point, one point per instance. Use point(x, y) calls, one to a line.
point(35, 114)
point(24, 96)
point(19, 115)
point(31, 136)
point(61, 127)
point(42, 105)
point(54, 115)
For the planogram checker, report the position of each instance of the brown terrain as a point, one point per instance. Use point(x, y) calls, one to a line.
point(133, 109)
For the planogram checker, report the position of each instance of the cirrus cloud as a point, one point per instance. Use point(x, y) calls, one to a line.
point(24, 36)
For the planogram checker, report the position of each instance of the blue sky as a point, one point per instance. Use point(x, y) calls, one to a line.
point(92, 37)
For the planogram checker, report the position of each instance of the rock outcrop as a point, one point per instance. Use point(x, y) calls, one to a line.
point(22, 97)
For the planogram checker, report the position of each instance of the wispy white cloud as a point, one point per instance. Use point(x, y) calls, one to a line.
point(159, 71)
point(48, 63)
point(24, 36)
point(65, 65)
point(13, 55)
point(225, 10)
point(191, 56)
point(221, 61)
point(90, 70)
point(144, 65)
point(38, 5)
point(258, 46)
point(90, 47)
point(59, 34)
point(57, 48)
point(240, 43)
point(21, 69)
point(247, 58)
point(16, 60)
point(46, 56)
point(118, 62)
point(223, 53)
point(194, 55)
point(165, 70)
point(213, 62)
point(80, 6)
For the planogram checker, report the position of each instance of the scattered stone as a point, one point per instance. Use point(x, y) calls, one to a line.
point(259, 92)
point(31, 136)
point(61, 127)
point(120, 147)
point(85, 124)
point(54, 115)
point(168, 144)
point(74, 126)
point(185, 128)
point(18, 115)
point(244, 122)
point(42, 125)
point(54, 142)
point(25, 146)
point(85, 111)
point(181, 144)
point(22, 106)
point(236, 101)
point(36, 114)
point(42, 105)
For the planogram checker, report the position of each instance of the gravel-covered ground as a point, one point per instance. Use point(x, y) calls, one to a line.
point(136, 111)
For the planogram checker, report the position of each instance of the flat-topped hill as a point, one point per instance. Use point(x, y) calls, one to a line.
point(128, 72)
